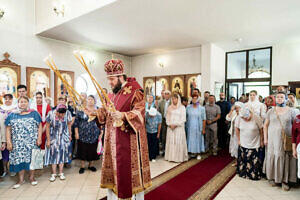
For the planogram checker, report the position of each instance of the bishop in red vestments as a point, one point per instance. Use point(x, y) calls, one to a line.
point(125, 167)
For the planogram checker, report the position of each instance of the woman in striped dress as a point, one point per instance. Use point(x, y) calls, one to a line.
point(58, 133)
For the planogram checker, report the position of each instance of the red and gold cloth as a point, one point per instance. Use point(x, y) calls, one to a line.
point(114, 67)
point(125, 166)
point(40, 111)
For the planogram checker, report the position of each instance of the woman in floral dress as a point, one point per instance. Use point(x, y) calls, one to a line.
point(23, 135)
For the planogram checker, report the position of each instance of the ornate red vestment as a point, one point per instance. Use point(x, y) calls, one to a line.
point(125, 166)
point(40, 110)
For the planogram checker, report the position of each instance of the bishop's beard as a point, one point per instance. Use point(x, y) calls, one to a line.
point(118, 87)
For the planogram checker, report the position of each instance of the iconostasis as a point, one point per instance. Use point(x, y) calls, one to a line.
point(37, 79)
point(10, 76)
point(182, 84)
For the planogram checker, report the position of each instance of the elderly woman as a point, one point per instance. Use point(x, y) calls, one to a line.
point(150, 103)
point(87, 135)
point(280, 165)
point(23, 134)
point(176, 147)
point(249, 131)
point(195, 126)
point(292, 102)
point(7, 108)
point(231, 117)
point(58, 132)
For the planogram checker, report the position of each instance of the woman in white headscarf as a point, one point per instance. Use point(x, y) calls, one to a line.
point(255, 105)
point(231, 116)
point(150, 103)
point(249, 131)
point(292, 101)
point(176, 146)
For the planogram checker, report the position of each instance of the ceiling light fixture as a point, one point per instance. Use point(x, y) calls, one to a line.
point(239, 40)
point(1, 13)
point(161, 64)
point(91, 61)
point(59, 10)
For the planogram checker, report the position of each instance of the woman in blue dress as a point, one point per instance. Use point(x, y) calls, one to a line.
point(58, 132)
point(195, 126)
point(87, 135)
point(24, 133)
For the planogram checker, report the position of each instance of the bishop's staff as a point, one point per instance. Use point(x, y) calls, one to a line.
point(107, 103)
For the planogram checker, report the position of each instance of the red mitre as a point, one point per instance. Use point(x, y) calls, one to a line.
point(114, 67)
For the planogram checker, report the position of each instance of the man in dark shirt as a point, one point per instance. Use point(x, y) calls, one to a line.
point(222, 124)
point(232, 101)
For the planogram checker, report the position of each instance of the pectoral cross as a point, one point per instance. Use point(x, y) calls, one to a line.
point(127, 90)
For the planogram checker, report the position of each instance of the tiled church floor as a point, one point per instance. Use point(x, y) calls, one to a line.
point(242, 189)
point(86, 186)
point(76, 186)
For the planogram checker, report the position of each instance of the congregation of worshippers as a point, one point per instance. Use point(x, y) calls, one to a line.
point(255, 130)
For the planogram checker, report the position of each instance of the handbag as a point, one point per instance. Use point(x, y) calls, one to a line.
point(100, 148)
point(287, 140)
point(37, 159)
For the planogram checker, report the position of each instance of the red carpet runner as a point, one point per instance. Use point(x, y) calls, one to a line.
point(188, 182)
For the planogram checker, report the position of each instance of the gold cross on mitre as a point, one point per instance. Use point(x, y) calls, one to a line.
point(6, 55)
point(127, 90)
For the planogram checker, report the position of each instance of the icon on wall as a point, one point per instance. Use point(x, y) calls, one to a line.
point(10, 76)
point(8, 81)
point(193, 82)
point(38, 80)
point(161, 84)
point(177, 86)
point(149, 87)
point(298, 93)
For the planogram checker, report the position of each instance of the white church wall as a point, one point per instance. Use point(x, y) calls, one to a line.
point(212, 67)
point(18, 39)
point(208, 60)
point(285, 63)
point(205, 68)
point(46, 17)
point(217, 68)
point(183, 61)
